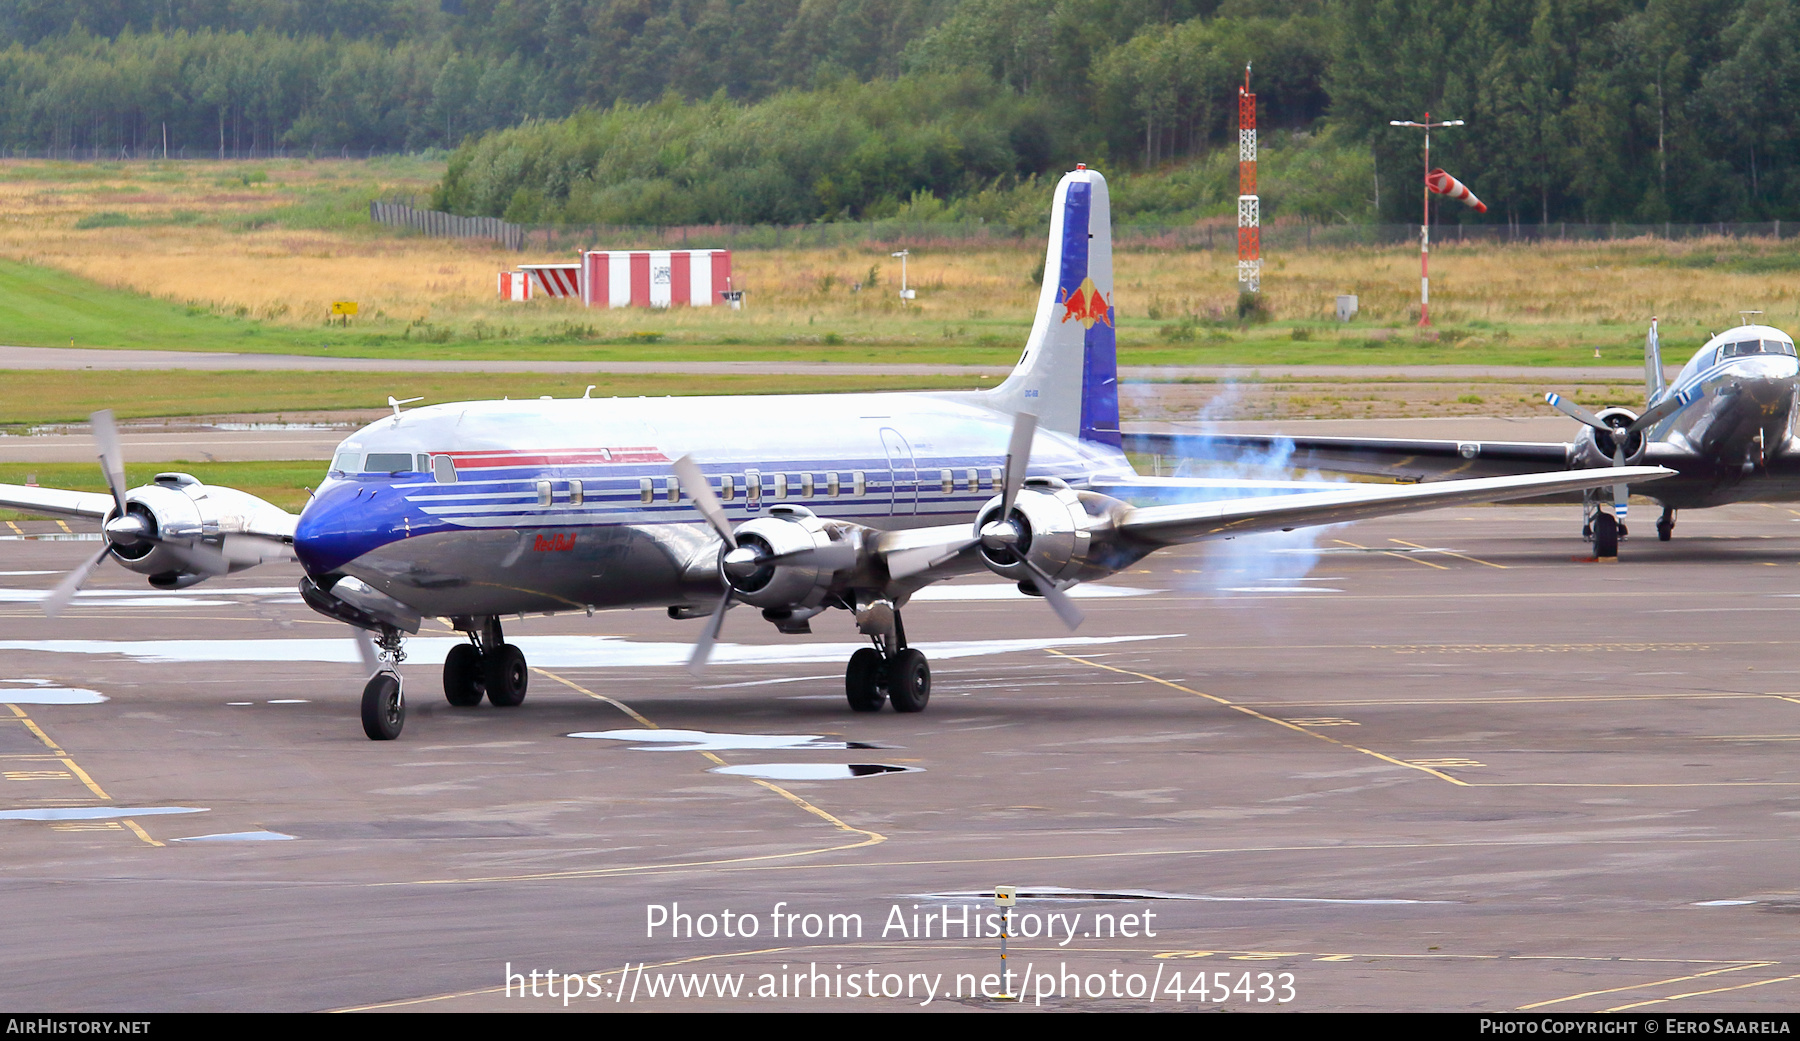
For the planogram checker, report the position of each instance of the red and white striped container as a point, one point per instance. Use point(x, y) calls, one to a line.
point(514, 286)
point(655, 278)
point(553, 279)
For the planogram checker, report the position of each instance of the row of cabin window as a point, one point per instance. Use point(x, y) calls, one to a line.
point(779, 486)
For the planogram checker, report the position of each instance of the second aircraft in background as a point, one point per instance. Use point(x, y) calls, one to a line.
point(1725, 426)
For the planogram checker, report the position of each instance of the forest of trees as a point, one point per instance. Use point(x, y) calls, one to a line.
point(665, 111)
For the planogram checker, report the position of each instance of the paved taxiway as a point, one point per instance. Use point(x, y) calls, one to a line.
point(1473, 775)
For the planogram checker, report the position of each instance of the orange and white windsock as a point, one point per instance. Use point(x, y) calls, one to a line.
point(1441, 183)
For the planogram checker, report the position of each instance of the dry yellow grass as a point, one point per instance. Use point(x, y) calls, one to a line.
point(193, 238)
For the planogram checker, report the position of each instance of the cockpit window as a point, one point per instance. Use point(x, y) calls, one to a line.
point(388, 462)
point(346, 462)
point(1744, 348)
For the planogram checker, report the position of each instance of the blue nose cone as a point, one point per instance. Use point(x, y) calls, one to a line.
point(347, 519)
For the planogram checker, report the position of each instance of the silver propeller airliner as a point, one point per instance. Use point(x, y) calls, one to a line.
point(1725, 426)
point(793, 505)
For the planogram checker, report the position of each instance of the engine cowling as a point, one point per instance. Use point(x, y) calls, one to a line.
point(789, 559)
point(175, 529)
point(1067, 534)
point(1594, 448)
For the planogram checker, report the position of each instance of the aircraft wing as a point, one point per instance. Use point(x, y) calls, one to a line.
point(55, 502)
point(1193, 522)
point(1398, 458)
point(919, 556)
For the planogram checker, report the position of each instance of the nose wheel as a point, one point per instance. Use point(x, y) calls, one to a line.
point(383, 699)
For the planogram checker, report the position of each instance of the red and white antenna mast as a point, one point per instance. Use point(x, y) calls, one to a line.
point(1249, 205)
point(1425, 222)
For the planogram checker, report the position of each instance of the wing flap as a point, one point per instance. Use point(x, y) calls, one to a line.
point(1170, 525)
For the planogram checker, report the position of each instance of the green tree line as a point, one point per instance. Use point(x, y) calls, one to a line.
point(698, 110)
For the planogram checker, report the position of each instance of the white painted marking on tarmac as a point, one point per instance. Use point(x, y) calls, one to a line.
point(1009, 591)
point(1279, 589)
point(40, 694)
point(94, 813)
point(291, 701)
point(10, 573)
point(239, 836)
point(705, 741)
point(1723, 903)
point(551, 652)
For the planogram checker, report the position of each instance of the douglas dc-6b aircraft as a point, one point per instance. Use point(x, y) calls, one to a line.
point(1725, 426)
point(793, 505)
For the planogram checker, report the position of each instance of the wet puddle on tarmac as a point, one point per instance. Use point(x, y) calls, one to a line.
point(704, 741)
point(43, 692)
point(93, 813)
point(813, 771)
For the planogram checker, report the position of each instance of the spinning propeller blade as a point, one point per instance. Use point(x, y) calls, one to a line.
point(700, 491)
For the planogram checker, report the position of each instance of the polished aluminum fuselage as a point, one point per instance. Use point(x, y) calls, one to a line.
point(1736, 442)
point(565, 504)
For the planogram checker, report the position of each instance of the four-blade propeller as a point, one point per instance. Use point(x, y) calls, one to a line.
point(123, 528)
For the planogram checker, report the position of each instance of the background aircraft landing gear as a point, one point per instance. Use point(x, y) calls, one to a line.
point(1606, 535)
point(486, 665)
point(888, 671)
point(1665, 525)
point(383, 700)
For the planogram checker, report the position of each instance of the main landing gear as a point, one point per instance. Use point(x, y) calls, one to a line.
point(1665, 525)
point(888, 671)
point(485, 666)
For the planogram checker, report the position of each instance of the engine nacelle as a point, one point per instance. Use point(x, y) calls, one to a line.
point(1593, 448)
point(182, 525)
point(816, 551)
point(1067, 534)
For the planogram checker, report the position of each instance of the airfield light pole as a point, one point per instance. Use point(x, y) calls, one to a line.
point(1249, 204)
point(1425, 223)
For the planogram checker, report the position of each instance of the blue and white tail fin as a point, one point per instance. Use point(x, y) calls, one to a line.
point(1069, 375)
point(1653, 370)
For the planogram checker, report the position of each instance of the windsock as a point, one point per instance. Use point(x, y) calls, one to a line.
point(1443, 184)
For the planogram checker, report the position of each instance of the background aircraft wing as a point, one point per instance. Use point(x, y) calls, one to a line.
point(1399, 458)
point(55, 502)
point(1193, 522)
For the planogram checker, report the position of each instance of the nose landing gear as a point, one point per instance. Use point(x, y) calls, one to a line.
point(383, 699)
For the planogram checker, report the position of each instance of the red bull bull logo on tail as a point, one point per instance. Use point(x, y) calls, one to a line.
point(1086, 305)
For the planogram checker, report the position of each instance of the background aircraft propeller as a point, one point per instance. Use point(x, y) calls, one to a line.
point(1621, 435)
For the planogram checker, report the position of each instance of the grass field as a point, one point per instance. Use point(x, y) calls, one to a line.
point(282, 482)
point(36, 396)
point(249, 256)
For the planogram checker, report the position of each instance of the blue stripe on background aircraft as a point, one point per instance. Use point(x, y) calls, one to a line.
point(1725, 427)
point(793, 505)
